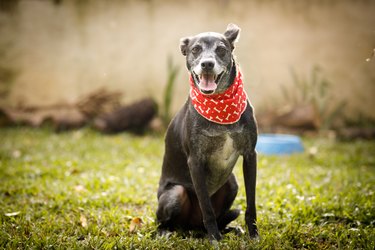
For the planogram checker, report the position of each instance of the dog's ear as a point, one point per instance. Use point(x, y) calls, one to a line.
point(184, 42)
point(232, 34)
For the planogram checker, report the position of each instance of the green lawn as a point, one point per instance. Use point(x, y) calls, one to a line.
point(81, 190)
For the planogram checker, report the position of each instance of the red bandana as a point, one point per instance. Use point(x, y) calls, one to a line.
point(224, 108)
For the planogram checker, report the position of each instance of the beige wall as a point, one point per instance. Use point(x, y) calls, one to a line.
point(64, 51)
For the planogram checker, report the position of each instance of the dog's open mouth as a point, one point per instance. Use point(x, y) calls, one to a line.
point(207, 82)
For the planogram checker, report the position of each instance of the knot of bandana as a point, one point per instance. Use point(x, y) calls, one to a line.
point(223, 108)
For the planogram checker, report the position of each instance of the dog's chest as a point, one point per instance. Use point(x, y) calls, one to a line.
point(221, 162)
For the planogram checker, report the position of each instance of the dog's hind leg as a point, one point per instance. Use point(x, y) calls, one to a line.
point(222, 201)
point(174, 207)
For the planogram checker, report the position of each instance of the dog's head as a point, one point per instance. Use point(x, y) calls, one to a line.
point(209, 58)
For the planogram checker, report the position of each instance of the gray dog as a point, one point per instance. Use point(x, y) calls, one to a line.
point(203, 142)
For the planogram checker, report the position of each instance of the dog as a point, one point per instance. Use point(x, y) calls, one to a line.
point(204, 140)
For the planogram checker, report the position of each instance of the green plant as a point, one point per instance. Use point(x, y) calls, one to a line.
point(360, 120)
point(7, 73)
point(314, 90)
point(172, 71)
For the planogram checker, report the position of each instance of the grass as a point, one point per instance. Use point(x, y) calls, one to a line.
point(81, 190)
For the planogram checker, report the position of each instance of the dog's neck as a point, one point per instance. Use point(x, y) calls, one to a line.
point(223, 108)
point(232, 73)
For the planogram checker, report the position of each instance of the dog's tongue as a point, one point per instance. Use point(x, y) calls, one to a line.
point(207, 82)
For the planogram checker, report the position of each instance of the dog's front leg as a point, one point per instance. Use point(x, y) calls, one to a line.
point(250, 172)
point(198, 177)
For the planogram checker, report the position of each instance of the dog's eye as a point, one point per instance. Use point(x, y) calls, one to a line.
point(221, 51)
point(195, 50)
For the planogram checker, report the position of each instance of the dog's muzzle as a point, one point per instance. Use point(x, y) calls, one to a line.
point(207, 81)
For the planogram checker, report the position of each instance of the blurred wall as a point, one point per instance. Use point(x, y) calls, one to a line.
point(60, 50)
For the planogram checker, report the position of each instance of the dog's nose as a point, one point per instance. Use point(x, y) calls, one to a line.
point(207, 64)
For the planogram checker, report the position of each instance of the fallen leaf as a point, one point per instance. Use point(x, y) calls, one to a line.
point(12, 214)
point(135, 224)
point(83, 221)
point(74, 171)
point(16, 154)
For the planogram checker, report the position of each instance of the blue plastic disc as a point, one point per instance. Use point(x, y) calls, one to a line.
point(278, 144)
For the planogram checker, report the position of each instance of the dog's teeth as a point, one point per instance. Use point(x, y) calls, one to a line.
point(217, 78)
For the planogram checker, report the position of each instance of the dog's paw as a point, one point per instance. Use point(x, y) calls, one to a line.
point(227, 218)
point(254, 235)
point(215, 237)
point(215, 244)
point(164, 233)
point(236, 230)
